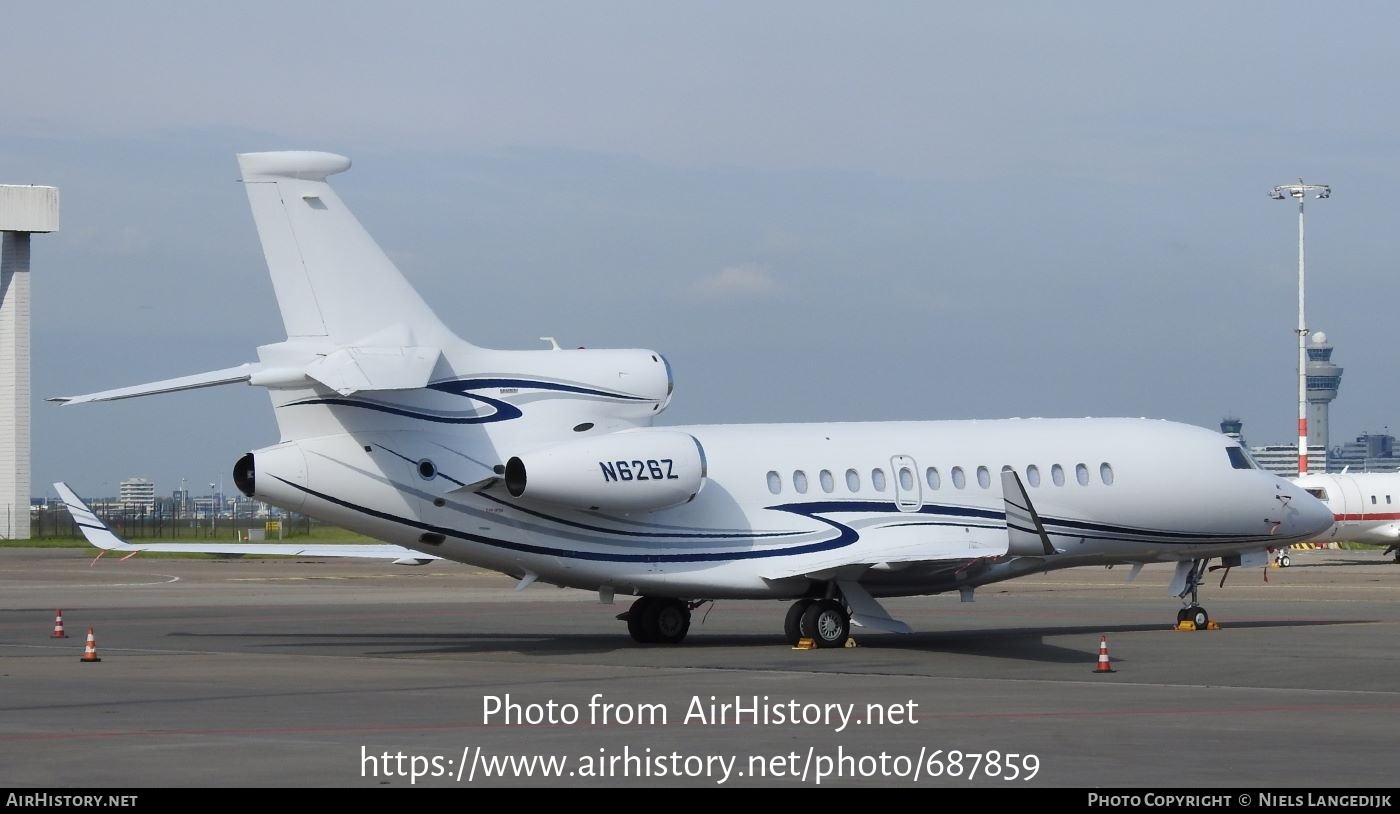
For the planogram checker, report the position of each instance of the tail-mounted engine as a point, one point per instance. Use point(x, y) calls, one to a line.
point(639, 471)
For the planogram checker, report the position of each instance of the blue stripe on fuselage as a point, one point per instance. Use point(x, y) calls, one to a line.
point(845, 534)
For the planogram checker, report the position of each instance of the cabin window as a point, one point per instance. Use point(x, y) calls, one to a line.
point(853, 480)
point(1373, 500)
point(906, 478)
point(984, 478)
point(799, 481)
point(1033, 475)
point(1317, 492)
point(1106, 474)
point(877, 479)
point(775, 482)
point(934, 481)
point(1081, 474)
point(1057, 474)
point(959, 479)
point(1238, 459)
point(1387, 500)
point(828, 482)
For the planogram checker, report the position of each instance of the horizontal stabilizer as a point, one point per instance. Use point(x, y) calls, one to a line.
point(345, 370)
point(211, 379)
point(1027, 537)
point(102, 537)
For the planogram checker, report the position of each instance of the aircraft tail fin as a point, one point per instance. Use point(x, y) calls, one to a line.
point(332, 280)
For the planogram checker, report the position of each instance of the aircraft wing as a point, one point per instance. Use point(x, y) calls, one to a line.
point(922, 546)
point(885, 561)
point(928, 546)
point(102, 537)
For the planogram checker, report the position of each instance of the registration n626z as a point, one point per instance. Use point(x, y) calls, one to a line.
point(649, 469)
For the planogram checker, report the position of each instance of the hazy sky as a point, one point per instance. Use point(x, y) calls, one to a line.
point(815, 210)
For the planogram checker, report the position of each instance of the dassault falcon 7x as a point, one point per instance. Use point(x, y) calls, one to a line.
point(545, 464)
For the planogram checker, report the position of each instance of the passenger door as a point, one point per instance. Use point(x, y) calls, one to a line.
point(908, 494)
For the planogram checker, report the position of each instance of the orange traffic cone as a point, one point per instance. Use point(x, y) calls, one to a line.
point(90, 652)
point(1104, 666)
point(58, 626)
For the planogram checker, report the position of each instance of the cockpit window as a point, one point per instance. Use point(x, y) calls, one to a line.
point(1317, 492)
point(1238, 459)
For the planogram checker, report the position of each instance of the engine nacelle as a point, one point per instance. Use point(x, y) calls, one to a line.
point(272, 474)
point(640, 471)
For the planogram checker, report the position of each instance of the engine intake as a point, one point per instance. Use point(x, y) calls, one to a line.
point(273, 475)
point(245, 475)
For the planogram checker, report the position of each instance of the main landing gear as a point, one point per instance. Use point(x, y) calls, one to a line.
point(824, 621)
point(1193, 612)
point(653, 620)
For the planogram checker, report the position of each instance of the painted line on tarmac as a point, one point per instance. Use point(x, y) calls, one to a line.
point(79, 586)
point(105, 649)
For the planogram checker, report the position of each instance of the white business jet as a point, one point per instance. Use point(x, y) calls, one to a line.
point(544, 464)
point(1365, 507)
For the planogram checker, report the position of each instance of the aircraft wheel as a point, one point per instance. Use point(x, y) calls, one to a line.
point(828, 623)
point(666, 621)
point(1285, 561)
point(1198, 615)
point(636, 619)
point(792, 625)
point(1182, 615)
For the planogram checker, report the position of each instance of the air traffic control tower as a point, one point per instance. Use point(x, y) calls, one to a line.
point(1324, 378)
point(24, 210)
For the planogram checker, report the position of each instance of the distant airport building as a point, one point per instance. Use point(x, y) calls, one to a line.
point(1282, 459)
point(137, 494)
point(1368, 453)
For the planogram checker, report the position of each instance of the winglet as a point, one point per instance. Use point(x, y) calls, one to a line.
point(1023, 527)
point(101, 536)
point(91, 525)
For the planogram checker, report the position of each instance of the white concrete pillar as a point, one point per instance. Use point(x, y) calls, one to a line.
point(14, 386)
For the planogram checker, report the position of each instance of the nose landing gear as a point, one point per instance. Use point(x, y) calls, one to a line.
point(1188, 581)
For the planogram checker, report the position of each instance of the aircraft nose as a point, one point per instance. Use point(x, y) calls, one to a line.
point(1311, 517)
